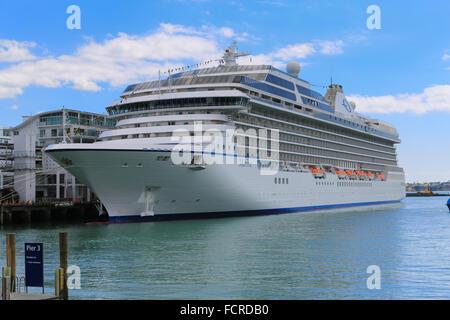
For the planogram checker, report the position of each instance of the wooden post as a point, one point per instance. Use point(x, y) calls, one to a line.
point(59, 279)
point(64, 262)
point(6, 293)
point(1, 214)
point(11, 257)
point(6, 283)
point(57, 282)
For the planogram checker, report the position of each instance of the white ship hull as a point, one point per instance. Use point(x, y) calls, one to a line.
point(134, 185)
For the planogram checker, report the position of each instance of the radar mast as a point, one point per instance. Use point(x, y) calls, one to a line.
point(231, 54)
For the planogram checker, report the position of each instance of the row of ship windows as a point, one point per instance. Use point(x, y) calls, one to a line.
point(331, 145)
point(169, 123)
point(168, 113)
point(318, 126)
point(272, 120)
point(281, 180)
point(327, 160)
point(354, 184)
point(317, 160)
point(336, 154)
point(324, 183)
point(323, 106)
point(316, 104)
point(284, 148)
point(177, 103)
point(250, 81)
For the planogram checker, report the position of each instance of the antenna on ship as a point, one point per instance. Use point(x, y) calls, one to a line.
point(159, 81)
point(64, 125)
point(230, 55)
point(169, 81)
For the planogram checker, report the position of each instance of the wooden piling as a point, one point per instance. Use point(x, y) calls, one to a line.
point(6, 293)
point(11, 257)
point(64, 262)
point(6, 283)
point(59, 279)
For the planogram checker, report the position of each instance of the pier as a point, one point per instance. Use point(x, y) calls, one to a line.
point(61, 211)
point(11, 284)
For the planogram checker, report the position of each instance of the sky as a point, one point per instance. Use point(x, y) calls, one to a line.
point(393, 61)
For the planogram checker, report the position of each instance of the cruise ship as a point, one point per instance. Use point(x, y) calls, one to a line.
point(234, 140)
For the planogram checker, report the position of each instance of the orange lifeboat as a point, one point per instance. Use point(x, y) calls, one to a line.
point(341, 174)
point(370, 176)
point(317, 173)
point(361, 175)
point(351, 174)
point(382, 177)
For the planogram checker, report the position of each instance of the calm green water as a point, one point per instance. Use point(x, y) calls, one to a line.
point(293, 256)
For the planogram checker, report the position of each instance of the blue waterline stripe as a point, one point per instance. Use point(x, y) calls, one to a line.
point(136, 218)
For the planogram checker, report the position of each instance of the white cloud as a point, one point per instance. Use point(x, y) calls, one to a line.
point(13, 51)
point(9, 92)
point(117, 61)
point(14, 107)
point(331, 47)
point(124, 58)
point(227, 32)
point(298, 51)
point(177, 28)
point(446, 57)
point(434, 98)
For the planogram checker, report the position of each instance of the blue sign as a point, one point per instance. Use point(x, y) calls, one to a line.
point(34, 265)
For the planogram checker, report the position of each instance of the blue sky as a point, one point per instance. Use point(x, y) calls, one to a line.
point(399, 73)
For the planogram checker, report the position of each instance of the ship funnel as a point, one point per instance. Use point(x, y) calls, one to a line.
point(335, 96)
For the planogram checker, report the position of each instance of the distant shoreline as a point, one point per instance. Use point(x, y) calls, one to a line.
point(430, 194)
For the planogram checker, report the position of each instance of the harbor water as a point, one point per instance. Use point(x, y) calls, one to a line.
point(315, 255)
